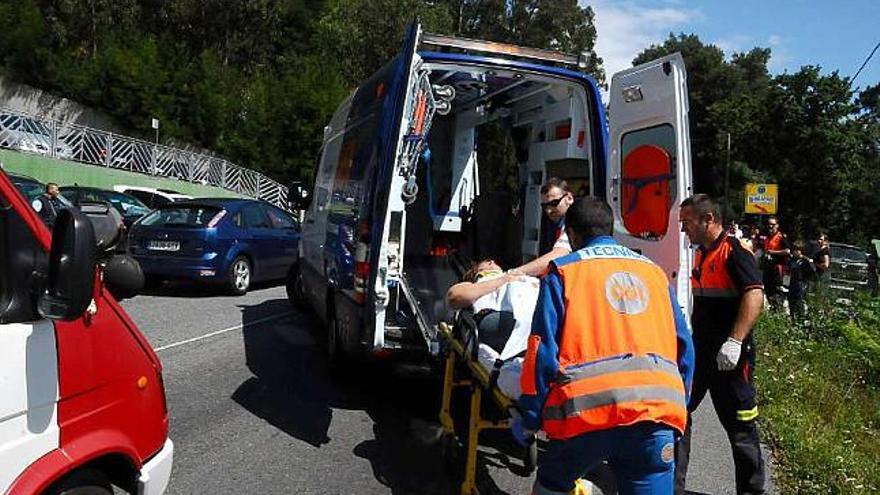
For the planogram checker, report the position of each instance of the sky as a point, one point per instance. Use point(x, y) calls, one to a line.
point(836, 35)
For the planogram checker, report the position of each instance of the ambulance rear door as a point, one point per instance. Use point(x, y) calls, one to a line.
point(650, 164)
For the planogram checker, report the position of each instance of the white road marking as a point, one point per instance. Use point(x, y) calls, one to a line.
point(225, 330)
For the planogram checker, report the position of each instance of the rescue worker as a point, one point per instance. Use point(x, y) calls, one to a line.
point(777, 251)
point(48, 205)
point(608, 364)
point(556, 198)
point(728, 298)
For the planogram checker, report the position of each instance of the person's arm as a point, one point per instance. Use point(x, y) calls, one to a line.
point(686, 353)
point(784, 248)
point(464, 294)
point(749, 282)
point(541, 363)
point(538, 266)
point(749, 311)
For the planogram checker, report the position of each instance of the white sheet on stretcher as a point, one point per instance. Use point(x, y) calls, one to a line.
point(518, 297)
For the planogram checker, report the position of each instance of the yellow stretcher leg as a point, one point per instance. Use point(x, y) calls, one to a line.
point(468, 486)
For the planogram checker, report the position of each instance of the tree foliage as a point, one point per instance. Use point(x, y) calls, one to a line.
point(256, 82)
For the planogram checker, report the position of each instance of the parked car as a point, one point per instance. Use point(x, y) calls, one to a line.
point(30, 135)
point(31, 188)
point(152, 197)
point(849, 267)
point(234, 242)
point(131, 208)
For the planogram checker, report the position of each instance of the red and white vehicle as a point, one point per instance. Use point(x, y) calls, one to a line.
point(82, 403)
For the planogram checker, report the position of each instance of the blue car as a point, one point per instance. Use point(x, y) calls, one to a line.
point(234, 242)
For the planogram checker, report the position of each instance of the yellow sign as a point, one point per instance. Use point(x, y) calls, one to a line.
point(762, 198)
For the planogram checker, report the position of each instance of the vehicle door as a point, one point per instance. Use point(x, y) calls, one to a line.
point(260, 237)
point(406, 115)
point(286, 235)
point(29, 385)
point(650, 165)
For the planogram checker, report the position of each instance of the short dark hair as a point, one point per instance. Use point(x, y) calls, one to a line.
point(50, 185)
point(555, 182)
point(589, 217)
point(703, 204)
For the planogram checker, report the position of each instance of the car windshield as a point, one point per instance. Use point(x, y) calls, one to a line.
point(844, 253)
point(181, 216)
point(29, 190)
point(128, 205)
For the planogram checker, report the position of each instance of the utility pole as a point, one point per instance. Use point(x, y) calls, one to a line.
point(727, 208)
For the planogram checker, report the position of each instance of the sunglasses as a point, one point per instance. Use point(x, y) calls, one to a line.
point(553, 203)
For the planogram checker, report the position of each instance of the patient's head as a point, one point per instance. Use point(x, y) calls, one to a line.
point(486, 265)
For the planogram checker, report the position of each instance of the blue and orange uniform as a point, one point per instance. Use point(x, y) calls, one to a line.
point(723, 272)
point(608, 369)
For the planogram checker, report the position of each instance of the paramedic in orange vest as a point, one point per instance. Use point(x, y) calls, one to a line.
point(777, 251)
point(608, 365)
point(556, 198)
point(728, 298)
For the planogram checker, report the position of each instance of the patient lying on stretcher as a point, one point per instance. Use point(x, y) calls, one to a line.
point(503, 305)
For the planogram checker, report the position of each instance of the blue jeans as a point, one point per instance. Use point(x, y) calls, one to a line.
point(641, 456)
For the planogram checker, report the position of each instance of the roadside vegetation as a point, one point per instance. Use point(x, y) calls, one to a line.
point(819, 386)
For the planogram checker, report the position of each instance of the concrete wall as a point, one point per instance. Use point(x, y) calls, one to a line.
point(66, 173)
point(23, 98)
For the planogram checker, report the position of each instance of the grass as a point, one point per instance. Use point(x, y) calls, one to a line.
point(819, 393)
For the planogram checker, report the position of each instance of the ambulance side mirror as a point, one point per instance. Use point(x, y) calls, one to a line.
point(72, 258)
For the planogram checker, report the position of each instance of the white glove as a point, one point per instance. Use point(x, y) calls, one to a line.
point(728, 356)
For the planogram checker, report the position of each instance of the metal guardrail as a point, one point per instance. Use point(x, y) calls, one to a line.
point(28, 133)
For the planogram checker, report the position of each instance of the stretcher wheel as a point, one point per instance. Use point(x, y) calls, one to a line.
point(530, 457)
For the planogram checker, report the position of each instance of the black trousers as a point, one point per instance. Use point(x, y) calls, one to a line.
point(733, 395)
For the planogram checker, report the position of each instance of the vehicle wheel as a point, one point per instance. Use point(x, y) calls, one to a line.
point(295, 291)
point(152, 282)
point(239, 276)
point(84, 482)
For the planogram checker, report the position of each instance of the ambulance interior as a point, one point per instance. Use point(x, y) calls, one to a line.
point(494, 138)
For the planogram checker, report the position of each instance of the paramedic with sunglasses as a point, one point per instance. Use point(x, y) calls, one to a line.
point(556, 198)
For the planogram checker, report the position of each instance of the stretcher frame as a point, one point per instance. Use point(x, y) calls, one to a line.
point(478, 382)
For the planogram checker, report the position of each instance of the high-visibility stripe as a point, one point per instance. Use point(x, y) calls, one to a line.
point(748, 414)
point(623, 363)
point(527, 378)
point(713, 292)
point(576, 405)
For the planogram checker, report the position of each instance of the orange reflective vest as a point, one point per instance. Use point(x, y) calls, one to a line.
point(617, 346)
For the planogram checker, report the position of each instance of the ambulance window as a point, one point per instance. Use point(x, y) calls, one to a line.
point(21, 257)
point(648, 181)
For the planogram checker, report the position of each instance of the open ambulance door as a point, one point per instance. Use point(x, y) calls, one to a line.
point(649, 167)
point(405, 126)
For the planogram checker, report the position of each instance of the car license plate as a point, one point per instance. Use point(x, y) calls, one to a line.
point(164, 246)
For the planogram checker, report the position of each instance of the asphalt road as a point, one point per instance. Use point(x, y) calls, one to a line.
point(254, 409)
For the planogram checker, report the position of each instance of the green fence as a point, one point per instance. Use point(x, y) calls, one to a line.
point(66, 173)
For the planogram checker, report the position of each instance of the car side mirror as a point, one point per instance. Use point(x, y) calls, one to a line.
point(298, 196)
point(71, 281)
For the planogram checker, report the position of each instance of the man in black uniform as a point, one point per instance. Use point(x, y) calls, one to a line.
point(728, 298)
point(47, 205)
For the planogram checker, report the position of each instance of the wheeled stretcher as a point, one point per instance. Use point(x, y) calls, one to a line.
point(462, 369)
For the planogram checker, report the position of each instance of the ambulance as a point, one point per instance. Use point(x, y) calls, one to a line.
point(82, 402)
point(437, 161)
